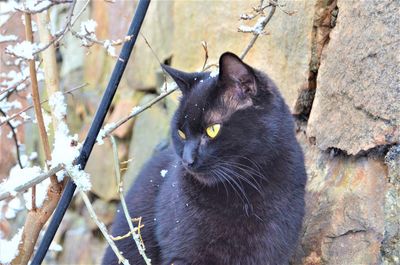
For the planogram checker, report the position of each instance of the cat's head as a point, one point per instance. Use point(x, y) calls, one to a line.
point(224, 122)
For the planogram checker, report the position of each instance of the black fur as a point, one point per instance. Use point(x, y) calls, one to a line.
point(241, 198)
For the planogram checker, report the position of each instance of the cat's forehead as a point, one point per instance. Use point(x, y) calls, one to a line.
point(197, 103)
point(210, 104)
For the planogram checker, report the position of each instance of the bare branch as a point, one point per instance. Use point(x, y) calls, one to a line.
point(260, 28)
point(36, 99)
point(40, 8)
point(138, 110)
point(16, 85)
point(136, 229)
point(155, 56)
point(14, 134)
point(50, 68)
point(205, 47)
point(103, 229)
point(37, 217)
point(59, 35)
point(151, 48)
point(23, 187)
point(42, 102)
point(89, 39)
point(135, 233)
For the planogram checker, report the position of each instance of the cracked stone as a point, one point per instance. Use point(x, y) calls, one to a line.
point(391, 243)
point(357, 101)
point(345, 220)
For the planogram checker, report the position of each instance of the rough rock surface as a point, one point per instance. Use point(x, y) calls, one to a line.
point(391, 243)
point(81, 247)
point(357, 102)
point(344, 223)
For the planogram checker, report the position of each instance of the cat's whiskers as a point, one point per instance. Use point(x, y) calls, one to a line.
point(223, 176)
point(236, 183)
point(246, 170)
point(256, 186)
point(256, 172)
point(246, 158)
point(242, 172)
point(212, 172)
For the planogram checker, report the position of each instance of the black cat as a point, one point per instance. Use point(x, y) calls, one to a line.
point(234, 188)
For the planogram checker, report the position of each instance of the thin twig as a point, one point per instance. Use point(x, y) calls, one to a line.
point(205, 47)
point(36, 102)
point(258, 32)
point(103, 229)
point(209, 66)
point(35, 11)
point(41, 103)
point(118, 238)
point(151, 48)
point(50, 68)
point(59, 35)
point(139, 110)
point(135, 234)
point(14, 137)
point(93, 40)
point(157, 58)
point(12, 88)
point(35, 95)
point(30, 183)
point(15, 86)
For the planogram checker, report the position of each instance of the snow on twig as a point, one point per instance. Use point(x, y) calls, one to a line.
point(258, 28)
point(25, 49)
point(13, 186)
point(7, 38)
point(9, 249)
point(66, 147)
point(22, 112)
point(37, 6)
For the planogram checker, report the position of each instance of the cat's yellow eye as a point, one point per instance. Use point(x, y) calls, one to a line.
point(213, 130)
point(182, 134)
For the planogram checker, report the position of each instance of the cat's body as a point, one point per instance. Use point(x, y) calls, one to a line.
point(233, 198)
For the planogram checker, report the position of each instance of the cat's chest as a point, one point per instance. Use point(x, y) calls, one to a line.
point(197, 220)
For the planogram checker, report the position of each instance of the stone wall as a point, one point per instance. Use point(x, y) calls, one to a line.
point(337, 65)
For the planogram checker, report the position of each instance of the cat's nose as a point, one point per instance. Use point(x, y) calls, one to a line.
point(187, 163)
point(188, 158)
point(189, 152)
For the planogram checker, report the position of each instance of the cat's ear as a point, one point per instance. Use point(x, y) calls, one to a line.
point(182, 79)
point(236, 74)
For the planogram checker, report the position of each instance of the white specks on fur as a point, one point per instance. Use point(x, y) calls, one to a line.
point(163, 173)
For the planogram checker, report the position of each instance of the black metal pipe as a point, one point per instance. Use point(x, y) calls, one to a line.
point(94, 128)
